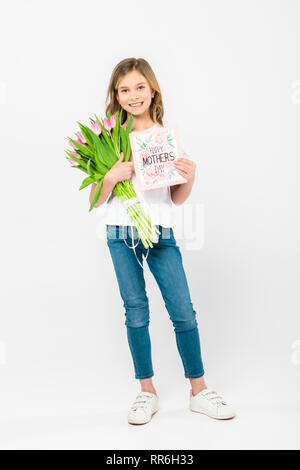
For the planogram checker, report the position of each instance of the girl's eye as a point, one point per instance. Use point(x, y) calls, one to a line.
point(141, 86)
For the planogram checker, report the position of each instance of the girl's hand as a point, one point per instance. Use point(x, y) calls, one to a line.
point(186, 168)
point(120, 170)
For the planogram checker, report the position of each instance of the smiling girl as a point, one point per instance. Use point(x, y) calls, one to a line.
point(134, 87)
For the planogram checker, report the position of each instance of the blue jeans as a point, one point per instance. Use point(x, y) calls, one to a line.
point(165, 263)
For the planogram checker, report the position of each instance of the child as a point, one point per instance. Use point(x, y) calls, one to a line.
point(133, 86)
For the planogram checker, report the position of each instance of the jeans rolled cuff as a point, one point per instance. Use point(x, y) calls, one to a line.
point(196, 376)
point(145, 376)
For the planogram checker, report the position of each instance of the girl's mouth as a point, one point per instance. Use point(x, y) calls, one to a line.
point(137, 105)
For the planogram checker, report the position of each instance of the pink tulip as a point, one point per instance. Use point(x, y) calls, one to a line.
point(71, 143)
point(72, 162)
point(96, 127)
point(113, 119)
point(75, 154)
point(107, 124)
point(80, 138)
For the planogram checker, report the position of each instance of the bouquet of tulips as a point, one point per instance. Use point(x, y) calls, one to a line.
point(95, 151)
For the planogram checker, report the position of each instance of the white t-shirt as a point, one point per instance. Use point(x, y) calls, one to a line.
point(156, 203)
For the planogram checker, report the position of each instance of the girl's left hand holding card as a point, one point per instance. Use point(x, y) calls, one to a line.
point(186, 168)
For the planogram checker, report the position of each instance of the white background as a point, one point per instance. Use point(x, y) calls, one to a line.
point(229, 73)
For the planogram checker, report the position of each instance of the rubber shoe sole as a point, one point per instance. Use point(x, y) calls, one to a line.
point(215, 417)
point(143, 422)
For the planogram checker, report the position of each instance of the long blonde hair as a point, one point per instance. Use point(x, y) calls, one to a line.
point(156, 110)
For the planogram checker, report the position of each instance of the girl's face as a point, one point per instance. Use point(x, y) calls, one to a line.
point(134, 89)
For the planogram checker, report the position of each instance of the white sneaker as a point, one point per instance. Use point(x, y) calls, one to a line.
point(211, 404)
point(143, 408)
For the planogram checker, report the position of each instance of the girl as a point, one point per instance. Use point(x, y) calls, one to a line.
point(133, 86)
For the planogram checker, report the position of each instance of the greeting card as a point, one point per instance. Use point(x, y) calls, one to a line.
point(154, 152)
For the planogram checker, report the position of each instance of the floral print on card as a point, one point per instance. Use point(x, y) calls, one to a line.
point(154, 152)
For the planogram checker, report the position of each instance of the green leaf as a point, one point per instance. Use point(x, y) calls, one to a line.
point(120, 114)
point(129, 125)
point(109, 157)
point(98, 157)
point(84, 149)
point(96, 195)
point(68, 152)
point(105, 157)
point(116, 133)
point(125, 144)
point(78, 160)
point(106, 136)
point(117, 127)
point(88, 167)
point(98, 120)
point(87, 134)
point(89, 180)
point(78, 168)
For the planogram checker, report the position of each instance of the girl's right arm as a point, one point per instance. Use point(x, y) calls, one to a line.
point(107, 187)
